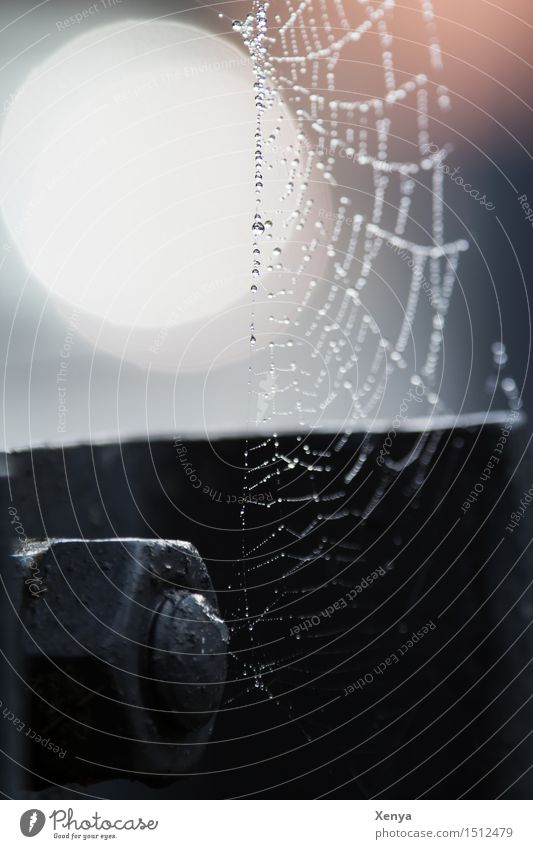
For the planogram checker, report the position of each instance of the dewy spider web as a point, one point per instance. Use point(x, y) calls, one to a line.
point(364, 342)
point(354, 340)
point(388, 265)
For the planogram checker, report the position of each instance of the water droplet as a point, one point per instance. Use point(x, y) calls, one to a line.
point(499, 353)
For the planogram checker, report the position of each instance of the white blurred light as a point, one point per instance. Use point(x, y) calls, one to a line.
point(126, 182)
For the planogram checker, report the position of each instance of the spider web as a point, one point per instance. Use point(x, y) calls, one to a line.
point(366, 337)
point(388, 265)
